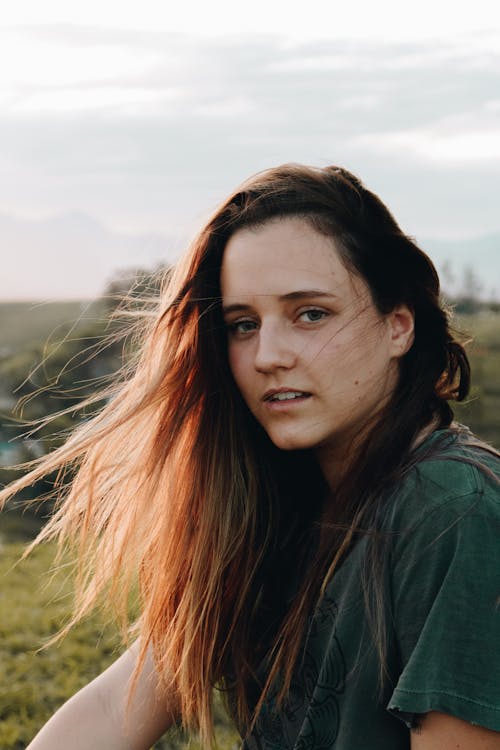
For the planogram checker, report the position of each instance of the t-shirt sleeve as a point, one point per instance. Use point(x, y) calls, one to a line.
point(445, 598)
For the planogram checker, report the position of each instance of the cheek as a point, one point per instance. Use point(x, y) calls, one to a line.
point(335, 354)
point(349, 358)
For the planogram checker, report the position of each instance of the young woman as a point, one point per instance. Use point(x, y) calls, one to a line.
point(310, 531)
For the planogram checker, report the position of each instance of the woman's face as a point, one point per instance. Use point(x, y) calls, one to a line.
point(313, 358)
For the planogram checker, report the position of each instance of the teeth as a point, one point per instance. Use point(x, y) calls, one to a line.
point(287, 396)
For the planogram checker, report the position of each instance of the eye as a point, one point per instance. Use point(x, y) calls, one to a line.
point(312, 315)
point(241, 327)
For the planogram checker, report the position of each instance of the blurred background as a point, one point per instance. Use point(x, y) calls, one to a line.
point(123, 125)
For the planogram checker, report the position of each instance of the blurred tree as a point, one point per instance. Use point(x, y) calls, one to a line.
point(469, 300)
point(448, 279)
point(134, 284)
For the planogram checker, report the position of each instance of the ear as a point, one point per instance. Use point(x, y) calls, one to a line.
point(401, 322)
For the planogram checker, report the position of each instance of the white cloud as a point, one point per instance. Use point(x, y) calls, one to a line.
point(466, 51)
point(361, 101)
point(67, 68)
point(28, 59)
point(47, 73)
point(474, 146)
point(230, 107)
point(319, 63)
point(436, 145)
point(65, 100)
point(358, 19)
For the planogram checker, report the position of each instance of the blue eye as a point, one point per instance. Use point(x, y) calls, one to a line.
point(313, 315)
point(242, 326)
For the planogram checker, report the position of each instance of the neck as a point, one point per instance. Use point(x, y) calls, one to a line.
point(336, 460)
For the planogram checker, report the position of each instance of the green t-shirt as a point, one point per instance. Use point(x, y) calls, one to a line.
point(443, 618)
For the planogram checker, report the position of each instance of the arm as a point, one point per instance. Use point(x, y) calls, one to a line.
point(443, 732)
point(97, 717)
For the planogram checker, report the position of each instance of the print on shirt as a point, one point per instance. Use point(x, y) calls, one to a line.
point(309, 718)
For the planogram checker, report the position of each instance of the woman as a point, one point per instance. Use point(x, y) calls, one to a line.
point(310, 531)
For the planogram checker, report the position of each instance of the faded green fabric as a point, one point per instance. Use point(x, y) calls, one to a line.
point(443, 621)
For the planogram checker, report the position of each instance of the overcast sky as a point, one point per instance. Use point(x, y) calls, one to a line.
point(130, 122)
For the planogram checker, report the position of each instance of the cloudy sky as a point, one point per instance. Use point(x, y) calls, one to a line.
point(122, 125)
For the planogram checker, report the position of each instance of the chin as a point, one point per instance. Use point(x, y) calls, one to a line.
point(290, 442)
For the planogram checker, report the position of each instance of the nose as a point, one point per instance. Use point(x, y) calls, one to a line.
point(275, 349)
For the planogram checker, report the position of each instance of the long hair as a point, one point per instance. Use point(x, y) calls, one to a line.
point(179, 491)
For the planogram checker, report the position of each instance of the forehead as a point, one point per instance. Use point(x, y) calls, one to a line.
point(279, 256)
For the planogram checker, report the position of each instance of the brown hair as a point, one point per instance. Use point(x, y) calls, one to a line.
point(178, 485)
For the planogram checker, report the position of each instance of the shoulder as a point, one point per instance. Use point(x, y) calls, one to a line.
point(451, 474)
point(444, 522)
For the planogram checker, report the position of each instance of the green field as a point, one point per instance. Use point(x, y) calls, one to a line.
point(481, 411)
point(34, 604)
point(35, 600)
point(33, 607)
point(25, 323)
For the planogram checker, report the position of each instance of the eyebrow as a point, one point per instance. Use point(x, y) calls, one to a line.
point(298, 295)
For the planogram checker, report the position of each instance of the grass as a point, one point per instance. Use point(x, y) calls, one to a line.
point(481, 411)
point(34, 606)
point(35, 600)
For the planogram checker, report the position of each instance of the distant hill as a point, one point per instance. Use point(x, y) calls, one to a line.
point(71, 256)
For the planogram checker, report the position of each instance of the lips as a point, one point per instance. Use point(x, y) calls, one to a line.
point(284, 394)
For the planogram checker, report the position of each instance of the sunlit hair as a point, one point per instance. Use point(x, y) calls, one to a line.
point(178, 488)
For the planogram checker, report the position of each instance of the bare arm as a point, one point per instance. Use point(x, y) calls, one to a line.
point(97, 717)
point(442, 732)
